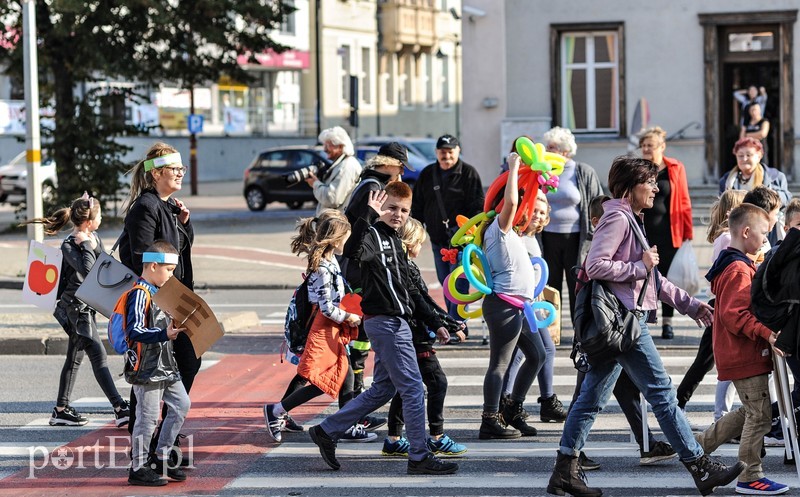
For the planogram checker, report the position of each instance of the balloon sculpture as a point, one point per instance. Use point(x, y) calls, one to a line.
point(541, 171)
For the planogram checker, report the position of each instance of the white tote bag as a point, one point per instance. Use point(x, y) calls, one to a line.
point(683, 271)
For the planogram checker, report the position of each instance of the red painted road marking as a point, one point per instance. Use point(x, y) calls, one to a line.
point(226, 422)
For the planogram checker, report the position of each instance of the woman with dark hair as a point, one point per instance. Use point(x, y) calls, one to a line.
point(617, 258)
point(151, 214)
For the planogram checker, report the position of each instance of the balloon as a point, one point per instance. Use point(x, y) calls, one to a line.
point(525, 148)
point(530, 316)
point(459, 236)
point(462, 311)
point(456, 296)
point(538, 261)
point(515, 301)
point(532, 308)
point(498, 184)
point(473, 280)
point(446, 289)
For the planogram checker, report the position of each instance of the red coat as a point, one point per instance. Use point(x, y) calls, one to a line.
point(325, 361)
point(741, 346)
point(680, 205)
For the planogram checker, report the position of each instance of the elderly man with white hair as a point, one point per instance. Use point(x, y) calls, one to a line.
point(334, 187)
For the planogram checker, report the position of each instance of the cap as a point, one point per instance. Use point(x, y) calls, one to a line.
point(447, 141)
point(396, 151)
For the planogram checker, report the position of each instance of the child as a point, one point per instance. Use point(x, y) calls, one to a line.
point(791, 218)
point(80, 250)
point(151, 368)
point(413, 236)
point(388, 303)
point(324, 362)
point(742, 350)
point(627, 395)
point(769, 200)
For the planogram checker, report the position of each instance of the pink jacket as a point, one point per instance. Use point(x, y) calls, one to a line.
point(616, 258)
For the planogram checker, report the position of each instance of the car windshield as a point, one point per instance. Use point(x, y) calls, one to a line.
point(427, 147)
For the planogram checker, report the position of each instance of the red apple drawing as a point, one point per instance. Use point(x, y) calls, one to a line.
point(42, 278)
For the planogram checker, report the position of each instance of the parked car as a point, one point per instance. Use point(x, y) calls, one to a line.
point(14, 179)
point(364, 152)
point(265, 179)
point(424, 148)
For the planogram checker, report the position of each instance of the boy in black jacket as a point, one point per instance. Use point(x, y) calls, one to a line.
point(413, 236)
point(389, 299)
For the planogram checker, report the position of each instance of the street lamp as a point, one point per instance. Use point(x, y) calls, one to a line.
point(33, 148)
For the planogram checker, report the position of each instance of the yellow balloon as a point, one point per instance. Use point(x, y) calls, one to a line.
point(462, 311)
point(472, 297)
point(458, 238)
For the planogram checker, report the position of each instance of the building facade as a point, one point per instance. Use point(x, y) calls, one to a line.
point(605, 69)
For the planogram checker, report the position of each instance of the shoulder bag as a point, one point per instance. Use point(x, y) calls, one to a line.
point(106, 282)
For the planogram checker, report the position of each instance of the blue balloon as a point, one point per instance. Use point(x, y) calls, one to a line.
point(465, 261)
point(538, 261)
point(531, 308)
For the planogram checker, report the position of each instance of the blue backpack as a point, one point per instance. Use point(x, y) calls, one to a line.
point(116, 323)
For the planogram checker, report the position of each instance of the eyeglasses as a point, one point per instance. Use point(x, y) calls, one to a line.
point(177, 171)
point(745, 156)
point(652, 184)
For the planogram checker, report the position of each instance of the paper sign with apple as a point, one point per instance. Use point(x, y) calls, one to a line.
point(42, 276)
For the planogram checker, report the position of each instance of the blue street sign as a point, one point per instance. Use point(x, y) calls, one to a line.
point(195, 123)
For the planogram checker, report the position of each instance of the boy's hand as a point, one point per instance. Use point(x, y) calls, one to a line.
point(513, 161)
point(650, 258)
point(353, 319)
point(443, 335)
point(705, 315)
point(376, 200)
point(172, 331)
point(773, 337)
point(183, 217)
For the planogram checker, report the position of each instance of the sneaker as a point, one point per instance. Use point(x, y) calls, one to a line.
point(587, 464)
point(763, 486)
point(773, 441)
point(291, 425)
point(145, 477)
point(274, 423)
point(68, 417)
point(431, 465)
point(327, 446)
point(398, 448)
point(708, 473)
point(357, 433)
point(168, 470)
point(179, 458)
point(371, 423)
point(122, 414)
point(446, 446)
point(659, 451)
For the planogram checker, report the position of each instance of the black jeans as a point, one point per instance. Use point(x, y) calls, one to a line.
point(436, 382)
point(665, 255)
point(703, 363)
point(302, 394)
point(561, 251)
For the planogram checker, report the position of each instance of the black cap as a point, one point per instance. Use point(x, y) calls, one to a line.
point(447, 141)
point(396, 151)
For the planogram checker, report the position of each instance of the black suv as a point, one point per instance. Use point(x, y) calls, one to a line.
point(265, 179)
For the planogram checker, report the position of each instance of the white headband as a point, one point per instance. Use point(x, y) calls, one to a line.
point(159, 258)
point(164, 160)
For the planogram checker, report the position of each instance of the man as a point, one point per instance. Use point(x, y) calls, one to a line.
point(334, 186)
point(445, 189)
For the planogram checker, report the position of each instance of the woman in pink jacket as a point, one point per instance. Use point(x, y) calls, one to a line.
point(617, 258)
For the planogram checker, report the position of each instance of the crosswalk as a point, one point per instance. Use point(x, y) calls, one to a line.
point(513, 467)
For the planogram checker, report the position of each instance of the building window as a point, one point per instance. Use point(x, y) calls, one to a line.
point(444, 80)
point(344, 73)
point(427, 78)
point(287, 26)
point(389, 91)
point(406, 80)
point(366, 76)
point(588, 97)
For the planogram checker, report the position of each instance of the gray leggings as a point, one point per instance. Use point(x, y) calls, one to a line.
point(508, 329)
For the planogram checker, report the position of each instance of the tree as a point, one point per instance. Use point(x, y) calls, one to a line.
point(188, 42)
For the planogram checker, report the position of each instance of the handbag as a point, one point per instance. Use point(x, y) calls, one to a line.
point(604, 328)
point(106, 282)
point(683, 269)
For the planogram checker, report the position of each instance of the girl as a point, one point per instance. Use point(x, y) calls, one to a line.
point(324, 363)
point(413, 236)
point(80, 249)
point(513, 275)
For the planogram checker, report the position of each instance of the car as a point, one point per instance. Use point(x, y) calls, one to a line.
point(425, 148)
point(14, 179)
point(365, 152)
point(265, 180)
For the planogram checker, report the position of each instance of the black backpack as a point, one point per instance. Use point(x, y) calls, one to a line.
point(772, 314)
point(299, 316)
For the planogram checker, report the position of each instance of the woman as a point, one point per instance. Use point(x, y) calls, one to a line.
point(565, 239)
point(751, 172)
point(756, 126)
point(672, 208)
point(617, 258)
point(151, 213)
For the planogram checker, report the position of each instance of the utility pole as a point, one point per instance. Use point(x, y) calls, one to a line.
point(33, 148)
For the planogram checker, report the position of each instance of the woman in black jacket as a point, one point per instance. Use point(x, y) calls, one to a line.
point(151, 214)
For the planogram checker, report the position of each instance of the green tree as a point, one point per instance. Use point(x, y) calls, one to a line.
point(187, 42)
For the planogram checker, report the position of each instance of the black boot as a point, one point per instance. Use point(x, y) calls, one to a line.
point(514, 415)
point(568, 478)
point(504, 400)
point(552, 410)
point(492, 429)
point(709, 474)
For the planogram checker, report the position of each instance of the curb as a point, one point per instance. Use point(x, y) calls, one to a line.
point(18, 284)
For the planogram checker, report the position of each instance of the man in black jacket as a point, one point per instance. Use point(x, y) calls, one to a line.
point(444, 190)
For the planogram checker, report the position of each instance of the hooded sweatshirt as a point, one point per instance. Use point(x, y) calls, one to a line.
point(741, 343)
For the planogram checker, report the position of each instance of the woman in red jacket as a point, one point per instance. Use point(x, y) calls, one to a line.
point(671, 208)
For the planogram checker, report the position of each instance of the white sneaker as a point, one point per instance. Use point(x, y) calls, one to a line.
point(773, 442)
point(358, 434)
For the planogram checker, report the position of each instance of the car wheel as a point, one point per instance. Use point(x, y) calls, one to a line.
point(256, 200)
point(295, 204)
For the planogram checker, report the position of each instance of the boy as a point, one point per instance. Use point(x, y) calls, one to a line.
point(791, 218)
point(151, 368)
point(742, 350)
point(388, 302)
point(769, 200)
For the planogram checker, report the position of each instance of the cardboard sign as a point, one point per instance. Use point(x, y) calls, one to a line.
point(189, 311)
point(42, 276)
point(553, 296)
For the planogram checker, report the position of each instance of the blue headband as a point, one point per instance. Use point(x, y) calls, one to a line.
point(159, 258)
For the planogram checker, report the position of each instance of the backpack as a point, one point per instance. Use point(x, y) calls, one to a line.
point(116, 323)
point(769, 311)
point(299, 316)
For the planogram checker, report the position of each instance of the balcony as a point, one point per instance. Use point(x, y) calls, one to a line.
point(407, 24)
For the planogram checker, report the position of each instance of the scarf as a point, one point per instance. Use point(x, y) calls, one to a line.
point(735, 183)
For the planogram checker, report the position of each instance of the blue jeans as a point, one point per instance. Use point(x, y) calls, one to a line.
point(396, 370)
point(645, 369)
point(442, 270)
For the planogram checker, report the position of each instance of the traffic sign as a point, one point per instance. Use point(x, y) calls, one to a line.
point(195, 123)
